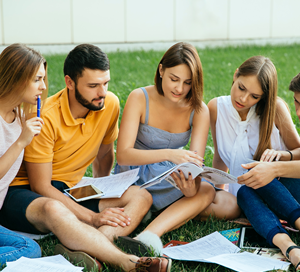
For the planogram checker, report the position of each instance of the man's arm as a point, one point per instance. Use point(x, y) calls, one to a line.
point(104, 160)
point(40, 175)
point(262, 173)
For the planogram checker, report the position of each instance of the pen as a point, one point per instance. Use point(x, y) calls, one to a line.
point(38, 114)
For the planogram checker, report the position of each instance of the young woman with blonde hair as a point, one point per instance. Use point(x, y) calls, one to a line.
point(22, 79)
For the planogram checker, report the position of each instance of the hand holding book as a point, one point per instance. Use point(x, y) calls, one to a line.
point(213, 175)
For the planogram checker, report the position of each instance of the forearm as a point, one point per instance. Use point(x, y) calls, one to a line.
point(9, 157)
point(288, 169)
point(219, 164)
point(133, 156)
point(102, 169)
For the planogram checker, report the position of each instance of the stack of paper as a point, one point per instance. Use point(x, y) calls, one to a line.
point(46, 264)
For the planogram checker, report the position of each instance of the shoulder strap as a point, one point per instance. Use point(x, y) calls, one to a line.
point(147, 105)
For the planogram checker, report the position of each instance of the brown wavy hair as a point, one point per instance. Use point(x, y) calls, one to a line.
point(18, 66)
point(184, 53)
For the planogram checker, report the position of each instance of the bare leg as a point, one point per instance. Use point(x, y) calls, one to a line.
point(224, 206)
point(283, 241)
point(136, 203)
point(51, 215)
point(182, 210)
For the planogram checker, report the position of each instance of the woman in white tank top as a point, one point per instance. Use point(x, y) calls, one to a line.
point(254, 124)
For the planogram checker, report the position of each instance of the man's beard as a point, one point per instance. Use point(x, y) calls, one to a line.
point(86, 103)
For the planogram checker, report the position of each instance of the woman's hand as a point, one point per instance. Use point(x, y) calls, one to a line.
point(32, 127)
point(179, 156)
point(259, 174)
point(189, 187)
point(270, 155)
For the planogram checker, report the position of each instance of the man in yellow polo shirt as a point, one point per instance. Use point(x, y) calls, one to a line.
point(81, 125)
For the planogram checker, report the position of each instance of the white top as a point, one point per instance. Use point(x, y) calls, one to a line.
point(237, 140)
point(9, 133)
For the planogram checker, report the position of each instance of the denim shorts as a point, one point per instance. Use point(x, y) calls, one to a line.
point(18, 198)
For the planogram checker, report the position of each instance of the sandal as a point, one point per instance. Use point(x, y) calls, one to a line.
point(288, 255)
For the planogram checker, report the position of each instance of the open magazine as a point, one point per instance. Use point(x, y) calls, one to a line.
point(213, 175)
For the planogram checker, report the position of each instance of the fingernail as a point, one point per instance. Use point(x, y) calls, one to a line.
point(190, 174)
point(179, 171)
point(203, 160)
point(195, 151)
point(203, 165)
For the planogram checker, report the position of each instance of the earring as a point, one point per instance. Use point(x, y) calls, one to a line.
point(160, 76)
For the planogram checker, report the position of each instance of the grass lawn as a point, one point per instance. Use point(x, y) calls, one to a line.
point(135, 69)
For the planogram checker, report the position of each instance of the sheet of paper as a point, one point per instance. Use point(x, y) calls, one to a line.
point(211, 245)
point(113, 185)
point(248, 262)
point(40, 264)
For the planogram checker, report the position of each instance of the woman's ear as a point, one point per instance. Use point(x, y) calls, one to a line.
point(234, 75)
point(161, 71)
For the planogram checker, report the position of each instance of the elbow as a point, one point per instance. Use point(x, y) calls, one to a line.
point(120, 159)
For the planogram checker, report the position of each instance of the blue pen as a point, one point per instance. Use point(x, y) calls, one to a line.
point(38, 114)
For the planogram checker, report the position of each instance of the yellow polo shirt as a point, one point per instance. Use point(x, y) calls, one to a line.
point(70, 144)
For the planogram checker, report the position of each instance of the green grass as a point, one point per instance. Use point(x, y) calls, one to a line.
point(131, 70)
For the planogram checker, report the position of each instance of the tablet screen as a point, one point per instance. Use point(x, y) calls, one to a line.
point(83, 193)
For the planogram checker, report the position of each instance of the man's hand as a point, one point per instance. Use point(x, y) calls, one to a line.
point(261, 174)
point(111, 216)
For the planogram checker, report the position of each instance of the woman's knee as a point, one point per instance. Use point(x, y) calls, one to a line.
point(33, 249)
point(134, 193)
point(207, 190)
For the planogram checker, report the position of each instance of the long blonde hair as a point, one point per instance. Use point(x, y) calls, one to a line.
point(18, 66)
point(266, 74)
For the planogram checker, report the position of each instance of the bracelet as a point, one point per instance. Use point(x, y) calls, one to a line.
point(291, 155)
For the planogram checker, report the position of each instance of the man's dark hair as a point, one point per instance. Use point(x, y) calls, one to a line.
point(85, 56)
point(295, 84)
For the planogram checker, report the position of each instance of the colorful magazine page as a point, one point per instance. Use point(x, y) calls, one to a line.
point(232, 235)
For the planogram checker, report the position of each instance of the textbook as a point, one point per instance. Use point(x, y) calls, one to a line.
point(213, 175)
point(112, 186)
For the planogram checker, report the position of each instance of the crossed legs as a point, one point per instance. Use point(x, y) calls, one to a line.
point(50, 215)
point(136, 204)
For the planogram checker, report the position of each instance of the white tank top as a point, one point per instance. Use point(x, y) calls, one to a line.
point(237, 140)
point(9, 133)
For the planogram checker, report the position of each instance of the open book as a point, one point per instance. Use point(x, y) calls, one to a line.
point(112, 186)
point(213, 175)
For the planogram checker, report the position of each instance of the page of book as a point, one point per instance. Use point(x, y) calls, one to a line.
point(113, 185)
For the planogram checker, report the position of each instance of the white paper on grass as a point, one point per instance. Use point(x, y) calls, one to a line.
point(215, 248)
point(248, 262)
point(206, 247)
point(45, 264)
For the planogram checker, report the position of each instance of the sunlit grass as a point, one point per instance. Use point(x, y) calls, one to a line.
point(132, 70)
